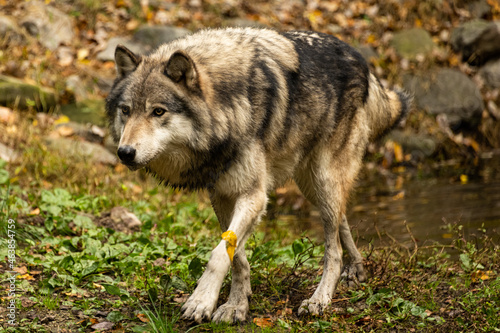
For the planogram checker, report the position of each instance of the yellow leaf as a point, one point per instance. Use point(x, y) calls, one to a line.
point(82, 54)
point(231, 239)
point(371, 39)
point(399, 196)
point(25, 277)
point(61, 120)
point(34, 212)
point(447, 236)
point(398, 152)
point(464, 179)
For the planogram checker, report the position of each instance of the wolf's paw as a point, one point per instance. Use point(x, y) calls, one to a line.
point(231, 313)
point(198, 307)
point(314, 306)
point(353, 273)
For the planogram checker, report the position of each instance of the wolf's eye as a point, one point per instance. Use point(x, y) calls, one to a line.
point(125, 110)
point(158, 112)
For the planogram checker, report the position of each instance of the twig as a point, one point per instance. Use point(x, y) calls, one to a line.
point(412, 238)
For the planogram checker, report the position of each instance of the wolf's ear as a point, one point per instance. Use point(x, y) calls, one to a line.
point(126, 61)
point(181, 69)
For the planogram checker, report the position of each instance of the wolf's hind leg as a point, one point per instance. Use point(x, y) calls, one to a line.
point(354, 270)
point(325, 188)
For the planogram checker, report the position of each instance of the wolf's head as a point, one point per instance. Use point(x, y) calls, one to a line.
point(151, 107)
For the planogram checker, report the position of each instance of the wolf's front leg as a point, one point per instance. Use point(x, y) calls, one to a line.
point(248, 209)
point(202, 302)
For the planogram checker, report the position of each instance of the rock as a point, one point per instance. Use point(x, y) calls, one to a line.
point(90, 133)
point(8, 154)
point(96, 153)
point(477, 40)
point(18, 94)
point(51, 26)
point(477, 8)
point(7, 116)
point(153, 36)
point(104, 326)
point(367, 52)
point(448, 92)
point(416, 144)
point(109, 52)
point(413, 42)
point(9, 30)
point(86, 111)
point(491, 73)
point(145, 40)
point(123, 216)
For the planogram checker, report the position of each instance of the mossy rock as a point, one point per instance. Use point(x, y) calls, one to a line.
point(15, 93)
point(410, 43)
point(86, 111)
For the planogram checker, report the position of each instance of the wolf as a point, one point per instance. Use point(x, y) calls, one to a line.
point(240, 111)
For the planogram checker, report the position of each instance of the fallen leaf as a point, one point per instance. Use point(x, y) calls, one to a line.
point(21, 270)
point(61, 120)
point(82, 54)
point(399, 196)
point(142, 317)
point(398, 152)
point(65, 130)
point(34, 212)
point(263, 322)
point(25, 277)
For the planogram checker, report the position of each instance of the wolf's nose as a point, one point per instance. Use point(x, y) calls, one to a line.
point(126, 154)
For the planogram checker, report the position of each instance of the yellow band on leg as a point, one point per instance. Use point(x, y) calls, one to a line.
point(231, 239)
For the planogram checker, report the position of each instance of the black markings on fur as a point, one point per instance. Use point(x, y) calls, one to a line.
point(339, 75)
point(270, 94)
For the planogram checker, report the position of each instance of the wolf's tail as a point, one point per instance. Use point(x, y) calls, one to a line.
point(385, 108)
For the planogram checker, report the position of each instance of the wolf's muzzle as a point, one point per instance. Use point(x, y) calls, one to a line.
point(126, 154)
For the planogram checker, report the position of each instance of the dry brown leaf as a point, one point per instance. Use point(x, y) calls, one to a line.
point(263, 322)
point(142, 317)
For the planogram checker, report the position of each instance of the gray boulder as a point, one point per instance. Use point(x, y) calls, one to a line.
point(448, 92)
point(145, 40)
point(15, 93)
point(491, 73)
point(86, 111)
point(477, 40)
point(51, 26)
point(368, 52)
point(82, 149)
point(109, 52)
point(154, 36)
point(416, 144)
point(412, 42)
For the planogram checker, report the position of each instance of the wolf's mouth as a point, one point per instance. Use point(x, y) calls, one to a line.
point(133, 166)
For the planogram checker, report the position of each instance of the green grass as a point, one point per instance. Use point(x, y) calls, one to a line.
point(83, 271)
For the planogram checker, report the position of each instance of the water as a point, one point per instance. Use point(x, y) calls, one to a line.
point(382, 210)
